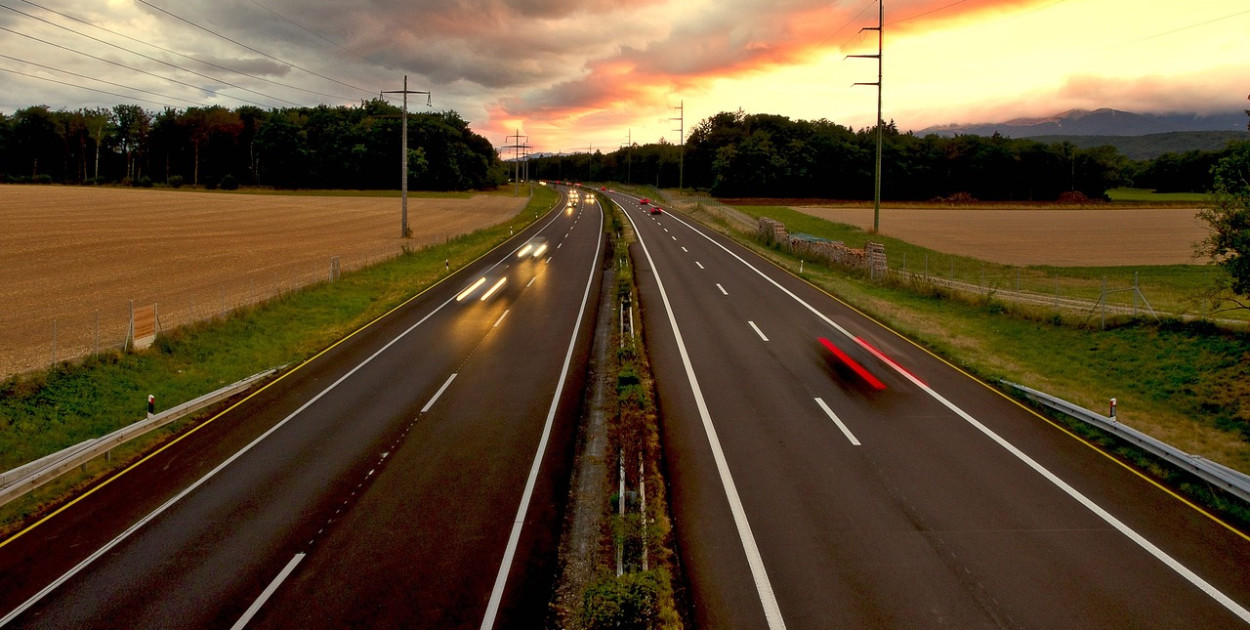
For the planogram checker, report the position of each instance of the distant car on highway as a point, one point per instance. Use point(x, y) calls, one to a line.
point(644, 201)
point(656, 210)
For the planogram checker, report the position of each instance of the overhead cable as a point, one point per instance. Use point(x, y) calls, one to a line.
point(242, 45)
point(173, 52)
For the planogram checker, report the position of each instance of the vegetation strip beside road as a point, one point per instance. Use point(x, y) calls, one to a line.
point(635, 567)
point(43, 412)
point(1184, 383)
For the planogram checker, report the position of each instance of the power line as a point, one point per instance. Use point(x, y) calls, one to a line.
point(174, 52)
point(131, 68)
point(83, 76)
point(313, 33)
point(1185, 28)
point(148, 57)
point(81, 87)
point(242, 45)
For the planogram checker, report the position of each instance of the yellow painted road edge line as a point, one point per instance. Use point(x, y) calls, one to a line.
point(227, 410)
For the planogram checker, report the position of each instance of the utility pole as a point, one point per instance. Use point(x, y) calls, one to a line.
point(403, 157)
point(681, 145)
point(879, 28)
point(519, 143)
point(629, 157)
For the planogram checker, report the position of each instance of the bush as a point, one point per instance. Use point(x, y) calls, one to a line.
point(229, 183)
point(142, 182)
point(43, 179)
point(175, 181)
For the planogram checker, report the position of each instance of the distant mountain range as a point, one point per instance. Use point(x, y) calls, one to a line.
point(1099, 122)
point(1138, 136)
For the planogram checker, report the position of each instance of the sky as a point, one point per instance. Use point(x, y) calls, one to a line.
point(579, 75)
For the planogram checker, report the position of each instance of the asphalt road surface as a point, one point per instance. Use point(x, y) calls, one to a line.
point(885, 488)
point(410, 476)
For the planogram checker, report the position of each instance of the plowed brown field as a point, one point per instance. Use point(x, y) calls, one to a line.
point(72, 259)
point(1061, 237)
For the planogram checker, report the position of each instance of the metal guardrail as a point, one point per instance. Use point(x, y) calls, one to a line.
point(25, 478)
point(1227, 479)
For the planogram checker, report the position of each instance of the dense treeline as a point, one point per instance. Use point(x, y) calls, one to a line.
point(304, 147)
point(734, 154)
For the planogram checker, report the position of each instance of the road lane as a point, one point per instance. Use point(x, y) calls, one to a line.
point(931, 521)
point(210, 553)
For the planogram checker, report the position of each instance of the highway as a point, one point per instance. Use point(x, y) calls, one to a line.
point(888, 489)
point(412, 475)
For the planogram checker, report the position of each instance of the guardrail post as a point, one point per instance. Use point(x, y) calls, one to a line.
point(1112, 415)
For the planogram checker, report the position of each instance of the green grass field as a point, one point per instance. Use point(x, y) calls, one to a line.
point(1148, 195)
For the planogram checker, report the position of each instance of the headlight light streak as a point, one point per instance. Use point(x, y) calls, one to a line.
point(495, 288)
point(469, 291)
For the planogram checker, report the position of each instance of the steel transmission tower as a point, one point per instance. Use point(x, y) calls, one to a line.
point(403, 204)
point(880, 29)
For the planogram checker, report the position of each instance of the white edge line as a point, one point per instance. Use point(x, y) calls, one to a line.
point(269, 591)
point(209, 475)
point(1162, 556)
point(837, 421)
point(757, 330)
point(768, 599)
point(505, 565)
point(438, 393)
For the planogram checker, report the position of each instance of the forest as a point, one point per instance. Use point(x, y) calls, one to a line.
point(306, 147)
point(733, 154)
point(730, 154)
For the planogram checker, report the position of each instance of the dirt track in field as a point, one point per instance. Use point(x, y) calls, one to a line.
point(1060, 237)
point(75, 255)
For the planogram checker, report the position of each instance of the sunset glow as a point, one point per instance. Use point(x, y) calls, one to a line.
point(576, 76)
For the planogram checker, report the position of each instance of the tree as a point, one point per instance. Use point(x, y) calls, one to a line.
point(98, 120)
point(1228, 245)
point(131, 124)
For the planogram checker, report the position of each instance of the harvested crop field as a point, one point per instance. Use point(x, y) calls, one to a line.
point(72, 259)
point(1082, 237)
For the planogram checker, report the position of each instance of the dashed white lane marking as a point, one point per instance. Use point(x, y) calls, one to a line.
point(722, 289)
point(837, 421)
point(757, 330)
point(438, 393)
point(699, 264)
point(268, 592)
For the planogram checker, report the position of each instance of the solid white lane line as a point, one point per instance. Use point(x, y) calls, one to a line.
point(763, 586)
point(505, 314)
point(837, 421)
point(722, 289)
point(438, 393)
point(209, 475)
point(269, 590)
point(757, 330)
point(505, 565)
point(1162, 556)
point(699, 264)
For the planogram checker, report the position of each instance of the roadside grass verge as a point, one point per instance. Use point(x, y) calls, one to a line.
point(1180, 290)
point(1148, 195)
point(1182, 382)
point(46, 411)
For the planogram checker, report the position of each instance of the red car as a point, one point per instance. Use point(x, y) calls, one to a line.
point(644, 201)
point(655, 210)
